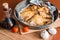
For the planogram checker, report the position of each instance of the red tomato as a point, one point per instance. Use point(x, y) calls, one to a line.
point(15, 29)
point(25, 29)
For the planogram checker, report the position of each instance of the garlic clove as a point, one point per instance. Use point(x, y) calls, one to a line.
point(52, 31)
point(45, 34)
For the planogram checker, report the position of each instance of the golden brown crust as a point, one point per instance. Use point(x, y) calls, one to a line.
point(36, 15)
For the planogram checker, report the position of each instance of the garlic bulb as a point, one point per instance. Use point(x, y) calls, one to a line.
point(52, 31)
point(45, 34)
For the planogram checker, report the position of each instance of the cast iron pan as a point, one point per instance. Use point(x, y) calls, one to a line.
point(23, 4)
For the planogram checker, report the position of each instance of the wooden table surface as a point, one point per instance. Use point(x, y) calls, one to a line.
point(8, 35)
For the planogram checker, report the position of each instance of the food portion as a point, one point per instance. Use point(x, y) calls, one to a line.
point(27, 15)
point(36, 15)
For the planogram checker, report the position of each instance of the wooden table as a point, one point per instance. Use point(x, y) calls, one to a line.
point(8, 35)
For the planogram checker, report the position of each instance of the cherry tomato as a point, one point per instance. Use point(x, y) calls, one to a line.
point(15, 29)
point(25, 29)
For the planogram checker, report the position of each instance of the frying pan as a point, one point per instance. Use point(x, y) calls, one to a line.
point(22, 5)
